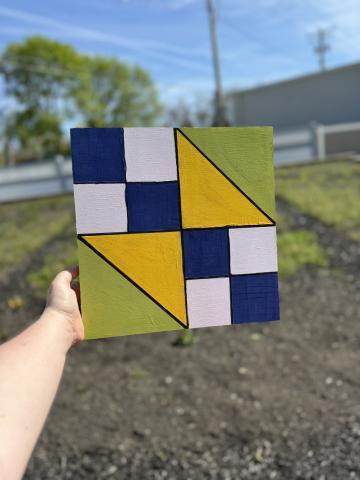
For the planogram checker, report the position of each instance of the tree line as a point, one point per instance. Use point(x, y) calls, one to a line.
point(51, 86)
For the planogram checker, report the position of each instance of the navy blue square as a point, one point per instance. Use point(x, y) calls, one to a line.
point(254, 298)
point(153, 207)
point(206, 253)
point(98, 155)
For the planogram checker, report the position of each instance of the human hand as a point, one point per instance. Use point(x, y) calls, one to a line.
point(62, 305)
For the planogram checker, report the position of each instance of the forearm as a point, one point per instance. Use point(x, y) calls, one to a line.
point(31, 366)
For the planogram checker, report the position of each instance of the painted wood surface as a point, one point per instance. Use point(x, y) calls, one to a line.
point(150, 154)
point(253, 250)
point(176, 228)
point(100, 208)
point(209, 303)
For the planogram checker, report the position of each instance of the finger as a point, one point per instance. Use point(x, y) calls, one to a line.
point(63, 278)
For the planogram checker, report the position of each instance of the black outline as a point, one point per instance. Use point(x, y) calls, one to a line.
point(151, 183)
point(103, 234)
point(204, 277)
point(126, 206)
point(125, 192)
point(181, 227)
point(227, 178)
point(85, 242)
point(253, 273)
point(230, 291)
point(231, 226)
point(123, 183)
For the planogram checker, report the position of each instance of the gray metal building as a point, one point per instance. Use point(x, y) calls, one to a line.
point(328, 97)
point(313, 116)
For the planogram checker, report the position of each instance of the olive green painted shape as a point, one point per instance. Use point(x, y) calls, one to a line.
point(111, 305)
point(245, 155)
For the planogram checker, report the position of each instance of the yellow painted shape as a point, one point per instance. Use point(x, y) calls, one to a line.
point(151, 260)
point(111, 305)
point(208, 199)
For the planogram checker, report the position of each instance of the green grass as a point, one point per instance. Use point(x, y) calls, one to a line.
point(282, 222)
point(297, 249)
point(328, 191)
point(64, 256)
point(27, 226)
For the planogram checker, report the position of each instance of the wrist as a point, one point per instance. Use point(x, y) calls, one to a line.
point(58, 329)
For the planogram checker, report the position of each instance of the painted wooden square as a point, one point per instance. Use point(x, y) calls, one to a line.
point(175, 228)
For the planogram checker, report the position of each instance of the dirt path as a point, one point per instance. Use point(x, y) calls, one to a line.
point(263, 401)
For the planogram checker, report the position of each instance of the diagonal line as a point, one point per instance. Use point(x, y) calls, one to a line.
point(181, 226)
point(130, 280)
point(224, 175)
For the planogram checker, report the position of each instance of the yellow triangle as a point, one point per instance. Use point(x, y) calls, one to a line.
point(208, 199)
point(153, 261)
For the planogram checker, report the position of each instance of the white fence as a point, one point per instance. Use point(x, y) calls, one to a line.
point(295, 146)
point(316, 142)
point(37, 180)
point(292, 146)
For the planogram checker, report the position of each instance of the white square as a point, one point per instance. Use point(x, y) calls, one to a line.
point(150, 154)
point(208, 302)
point(100, 208)
point(253, 250)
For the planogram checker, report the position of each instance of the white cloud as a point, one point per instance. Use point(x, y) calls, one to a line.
point(159, 50)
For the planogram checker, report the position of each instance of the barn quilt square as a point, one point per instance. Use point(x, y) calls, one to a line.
point(176, 228)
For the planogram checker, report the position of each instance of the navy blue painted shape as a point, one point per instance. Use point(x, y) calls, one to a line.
point(98, 155)
point(153, 206)
point(206, 253)
point(254, 297)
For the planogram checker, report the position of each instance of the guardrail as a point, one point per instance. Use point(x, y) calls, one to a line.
point(292, 146)
point(37, 180)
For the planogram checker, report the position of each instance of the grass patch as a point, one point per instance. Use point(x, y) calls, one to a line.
point(64, 256)
point(27, 226)
point(282, 223)
point(185, 339)
point(328, 191)
point(297, 249)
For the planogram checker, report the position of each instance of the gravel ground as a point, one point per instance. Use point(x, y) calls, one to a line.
point(270, 401)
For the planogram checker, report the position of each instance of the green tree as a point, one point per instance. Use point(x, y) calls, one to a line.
point(52, 84)
point(44, 77)
point(120, 95)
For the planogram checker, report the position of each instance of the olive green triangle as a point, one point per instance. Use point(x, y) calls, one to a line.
point(245, 155)
point(111, 305)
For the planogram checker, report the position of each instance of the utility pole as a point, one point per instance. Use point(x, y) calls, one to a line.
point(321, 47)
point(219, 110)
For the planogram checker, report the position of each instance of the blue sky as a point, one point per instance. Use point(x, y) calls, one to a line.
point(260, 40)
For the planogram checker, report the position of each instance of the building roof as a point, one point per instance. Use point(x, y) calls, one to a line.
point(309, 76)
